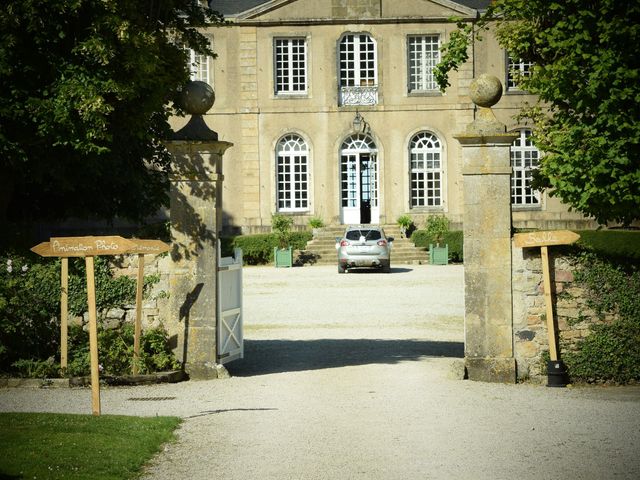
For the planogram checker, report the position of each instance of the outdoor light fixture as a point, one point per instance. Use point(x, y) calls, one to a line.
point(359, 123)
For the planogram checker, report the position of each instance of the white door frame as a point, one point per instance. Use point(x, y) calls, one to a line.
point(352, 151)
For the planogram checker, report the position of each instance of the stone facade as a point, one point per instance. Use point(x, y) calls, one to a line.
point(251, 112)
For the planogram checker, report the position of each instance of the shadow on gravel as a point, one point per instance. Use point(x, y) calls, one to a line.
point(277, 356)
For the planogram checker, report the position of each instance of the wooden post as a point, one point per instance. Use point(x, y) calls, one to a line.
point(93, 336)
point(551, 329)
point(138, 325)
point(64, 309)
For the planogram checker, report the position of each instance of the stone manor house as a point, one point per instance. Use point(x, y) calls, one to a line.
point(334, 113)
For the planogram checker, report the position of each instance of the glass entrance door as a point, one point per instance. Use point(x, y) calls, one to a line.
point(359, 181)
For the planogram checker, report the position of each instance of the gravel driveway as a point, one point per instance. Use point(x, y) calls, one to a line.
point(348, 377)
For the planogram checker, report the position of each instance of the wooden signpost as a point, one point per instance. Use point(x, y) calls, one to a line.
point(141, 248)
point(544, 240)
point(89, 247)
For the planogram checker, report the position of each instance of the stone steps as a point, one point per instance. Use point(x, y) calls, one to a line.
point(321, 250)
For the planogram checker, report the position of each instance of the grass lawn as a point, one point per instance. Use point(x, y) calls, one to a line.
point(51, 446)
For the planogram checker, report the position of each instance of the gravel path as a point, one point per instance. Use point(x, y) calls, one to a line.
point(345, 381)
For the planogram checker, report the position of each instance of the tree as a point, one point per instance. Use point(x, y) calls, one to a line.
point(85, 94)
point(587, 78)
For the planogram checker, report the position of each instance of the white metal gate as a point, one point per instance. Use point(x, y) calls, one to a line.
point(230, 339)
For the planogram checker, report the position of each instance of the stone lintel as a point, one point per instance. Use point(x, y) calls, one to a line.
point(468, 139)
point(199, 147)
point(484, 170)
point(491, 369)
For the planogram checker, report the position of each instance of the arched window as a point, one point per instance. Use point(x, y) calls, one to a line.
point(425, 158)
point(292, 174)
point(524, 159)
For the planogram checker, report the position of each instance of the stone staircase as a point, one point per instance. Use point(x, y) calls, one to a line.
point(322, 249)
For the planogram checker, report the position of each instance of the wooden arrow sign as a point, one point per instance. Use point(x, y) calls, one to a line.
point(148, 247)
point(84, 246)
point(545, 239)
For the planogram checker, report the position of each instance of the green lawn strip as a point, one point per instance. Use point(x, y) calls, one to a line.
point(64, 446)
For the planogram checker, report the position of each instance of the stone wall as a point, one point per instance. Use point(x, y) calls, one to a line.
point(573, 317)
point(155, 305)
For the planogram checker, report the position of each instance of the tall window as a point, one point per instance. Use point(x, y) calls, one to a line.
point(516, 70)
point(199, 67)
point(524, 159)
point(424, 55)
point(290, 56)
point(358, 70)
point(292, 176)
point(425, 158)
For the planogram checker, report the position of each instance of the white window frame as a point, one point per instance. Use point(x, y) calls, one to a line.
point(358, 69)
point(426, 171)
point(423, 54)
point(517, 68)
point(525, 158)
point(290, 65)
point(292, 174)
point(199, 67)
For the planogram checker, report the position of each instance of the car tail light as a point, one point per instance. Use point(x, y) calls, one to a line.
point(344, 243)
point(382, 243)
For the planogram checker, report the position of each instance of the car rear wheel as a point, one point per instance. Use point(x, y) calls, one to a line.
point(386, 267)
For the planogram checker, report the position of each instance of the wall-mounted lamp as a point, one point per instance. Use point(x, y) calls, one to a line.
point(359, 123)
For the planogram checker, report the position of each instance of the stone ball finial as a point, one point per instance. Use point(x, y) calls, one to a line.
point(197, 97)
point(485, 91)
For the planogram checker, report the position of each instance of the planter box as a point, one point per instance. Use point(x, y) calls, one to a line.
point(283, 257)
point(438, 255)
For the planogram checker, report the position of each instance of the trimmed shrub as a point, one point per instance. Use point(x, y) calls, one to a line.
point(611, 352)
point(621, 244)
point(258, 249)
point(454, 239)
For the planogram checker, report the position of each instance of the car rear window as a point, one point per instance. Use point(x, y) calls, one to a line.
point(367, 234)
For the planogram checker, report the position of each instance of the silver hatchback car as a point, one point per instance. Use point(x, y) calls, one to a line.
point(364, 246)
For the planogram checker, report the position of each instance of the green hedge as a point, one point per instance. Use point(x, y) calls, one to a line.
point(422, 239)
point(258, 249)
point(611, 352)
point(621, 244)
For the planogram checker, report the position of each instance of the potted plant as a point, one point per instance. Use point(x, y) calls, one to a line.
point(437, 228)
point(281, 226)
point(406, 225)
point(316, 223)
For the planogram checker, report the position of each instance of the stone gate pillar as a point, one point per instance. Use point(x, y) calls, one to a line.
point(196, 220)
point(486, 171)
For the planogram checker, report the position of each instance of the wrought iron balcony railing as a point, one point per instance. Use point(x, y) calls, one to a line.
point(366, 95)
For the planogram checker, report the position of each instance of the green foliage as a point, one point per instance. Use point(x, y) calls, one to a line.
point(281, 226)
point(115, 354)
point(405, 222)
point(29, 305)
point(422, 239)
point(620, 244)
point(437, 227)
point(316, 222)
point(612, 350)
point(75, 447)
point(86, 89)
point(30, 302)
point(586, 78)
point(258, 249)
